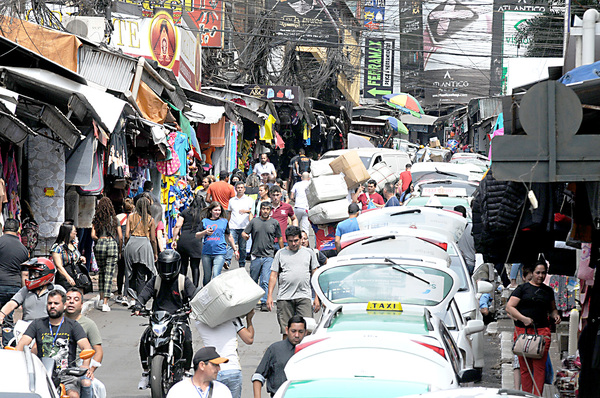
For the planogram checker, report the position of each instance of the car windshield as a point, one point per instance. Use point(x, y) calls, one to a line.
point(366, 160)
point(361, 283)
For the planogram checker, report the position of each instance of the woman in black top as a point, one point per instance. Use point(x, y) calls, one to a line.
point(184, 238)
point(529, 306)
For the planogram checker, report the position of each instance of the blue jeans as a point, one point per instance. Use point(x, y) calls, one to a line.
point(515, 270)
point(276, 246)
point(236, 234)
point(260, 271)
point(6, 293)
point(86, 392)
point(233, 379)
point(212, 266)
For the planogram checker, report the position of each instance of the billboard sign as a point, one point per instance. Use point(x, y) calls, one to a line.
point(379, 68)
point(374, 14)
point(156, 38)
point(411, 47)
point(309, 22)
point(457, 41)
point(208, 19)
point(190, 70)
point(285, 94)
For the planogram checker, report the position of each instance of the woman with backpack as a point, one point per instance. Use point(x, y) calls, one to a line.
point(106, 233)
point(140, 248)
point(184, 238)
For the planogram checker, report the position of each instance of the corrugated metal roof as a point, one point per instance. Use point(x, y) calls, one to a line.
point(113, 71)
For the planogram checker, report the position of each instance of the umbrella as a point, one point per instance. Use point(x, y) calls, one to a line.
point(356, 141)
point(405, 103)
point(397, 125)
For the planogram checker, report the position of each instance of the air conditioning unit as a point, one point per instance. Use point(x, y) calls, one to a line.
point(91, 28)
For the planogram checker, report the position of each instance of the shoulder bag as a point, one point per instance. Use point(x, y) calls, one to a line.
point(529, 345)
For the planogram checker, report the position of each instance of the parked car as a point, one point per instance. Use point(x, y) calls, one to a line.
point(352, 281)
point(429, 170)
point(350, 388)
point(440, 202)
point(471, 158)
point(395, 160)
point(22, 374)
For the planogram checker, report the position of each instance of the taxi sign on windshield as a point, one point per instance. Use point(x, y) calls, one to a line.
point(444, 191)
point(394, 306)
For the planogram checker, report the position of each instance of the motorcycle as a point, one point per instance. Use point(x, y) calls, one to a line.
point(12, 333)
point(165, 347)
point(56, 374)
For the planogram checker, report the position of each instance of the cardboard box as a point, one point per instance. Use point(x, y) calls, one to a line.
point(229, 295)
point(434, 142)
point(352, 167)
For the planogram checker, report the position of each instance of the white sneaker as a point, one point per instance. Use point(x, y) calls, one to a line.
point(98, 304)
point(105, 308)
point(121, 300)
point(144, 382)
point(131, 303)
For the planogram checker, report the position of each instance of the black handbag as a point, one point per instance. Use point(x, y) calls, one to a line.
point(82, 279)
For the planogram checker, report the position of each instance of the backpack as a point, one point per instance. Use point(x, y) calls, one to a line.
point(30, 231)
point(303, 164)
point(180, 284)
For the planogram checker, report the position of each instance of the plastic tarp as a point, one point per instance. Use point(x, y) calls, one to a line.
point(108, 107)
point(582, 73)
point(205, 113)
point(57, 46)
point(150, 104)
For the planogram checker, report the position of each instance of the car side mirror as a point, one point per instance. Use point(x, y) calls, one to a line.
point(474, 326)
point(469, 376)
point(484, 287)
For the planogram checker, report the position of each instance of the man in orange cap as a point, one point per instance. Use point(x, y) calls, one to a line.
point(206, 368)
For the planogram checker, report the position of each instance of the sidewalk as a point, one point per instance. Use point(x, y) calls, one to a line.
point(504, 329)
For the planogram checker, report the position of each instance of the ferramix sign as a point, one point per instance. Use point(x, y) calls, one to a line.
point(379, 67)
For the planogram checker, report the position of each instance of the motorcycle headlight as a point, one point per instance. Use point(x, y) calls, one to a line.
point(159, 329)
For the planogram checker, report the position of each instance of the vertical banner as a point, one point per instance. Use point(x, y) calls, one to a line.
point(379, 68)
point(208, 18)
point(411, 47)
point(374, 14)
point(233, 136)
point(190, 69)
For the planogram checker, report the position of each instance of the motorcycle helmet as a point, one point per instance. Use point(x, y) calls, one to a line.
point(169, 264)
point(41, 272)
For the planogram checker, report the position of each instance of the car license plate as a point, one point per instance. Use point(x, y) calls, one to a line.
point(384, 306)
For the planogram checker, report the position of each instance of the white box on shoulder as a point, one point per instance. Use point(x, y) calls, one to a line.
point(325, 189)
point(229, 295)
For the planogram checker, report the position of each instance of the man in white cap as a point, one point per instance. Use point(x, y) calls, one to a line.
point(206, 368)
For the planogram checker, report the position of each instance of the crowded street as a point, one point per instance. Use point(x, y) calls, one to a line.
point(299, 198)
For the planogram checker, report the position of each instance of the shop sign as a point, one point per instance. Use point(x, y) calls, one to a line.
point(285, 94)
point(305, 21)
point(190, 69)
point(156, 38)
point(374, 14)
point(379, 68)
point(176, 7)
point(208, 18)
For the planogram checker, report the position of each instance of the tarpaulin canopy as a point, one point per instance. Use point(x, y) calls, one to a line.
point(205, 113)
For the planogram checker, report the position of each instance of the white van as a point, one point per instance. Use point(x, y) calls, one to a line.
point(395, 160)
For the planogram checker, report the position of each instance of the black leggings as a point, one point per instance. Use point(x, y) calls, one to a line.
point(120, 275)
point(194, 264)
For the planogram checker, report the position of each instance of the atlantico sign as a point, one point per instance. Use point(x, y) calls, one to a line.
point(379, 68)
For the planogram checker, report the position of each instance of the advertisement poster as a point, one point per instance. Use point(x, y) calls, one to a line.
point(154, 38)
point(457, 42)
point(411, 47)
point(208, 19)
point(374, 14)
point(379, 68)
point(309, 21)
point(190, 70)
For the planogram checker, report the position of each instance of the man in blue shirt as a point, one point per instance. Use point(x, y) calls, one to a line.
point(346, 226)
point(388, 194)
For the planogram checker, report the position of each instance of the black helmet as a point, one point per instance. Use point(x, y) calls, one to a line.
point(169, 264)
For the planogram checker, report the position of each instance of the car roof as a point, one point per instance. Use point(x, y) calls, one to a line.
point(14, 377)
point(353, 387)
point(446, 201)
point(362, 152)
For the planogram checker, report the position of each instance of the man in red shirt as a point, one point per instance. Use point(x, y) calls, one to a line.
point(220, 191)
point(405, 179)
point(370, 196)
point(281, 212)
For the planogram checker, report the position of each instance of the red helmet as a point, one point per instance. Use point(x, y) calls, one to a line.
point(41, 272)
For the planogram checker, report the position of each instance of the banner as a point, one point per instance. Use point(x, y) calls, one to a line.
point(208, 19)
point(411, 47)
point(190, 71)
point(305, 21)
point(457, 41)
point(379, 68)
point(374, 14)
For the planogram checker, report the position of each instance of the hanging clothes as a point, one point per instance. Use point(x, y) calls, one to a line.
point(266, 131)
point(181, 146)
point(172, 164)
point(117, 158)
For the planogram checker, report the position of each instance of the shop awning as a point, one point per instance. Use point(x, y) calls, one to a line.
point(12, 129)
point(204, 113)
point(58, 90)
point(36, 113)
point(231, 108)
